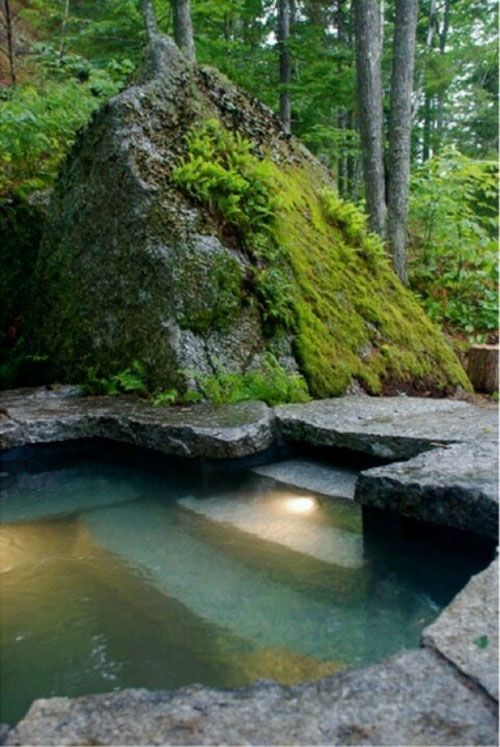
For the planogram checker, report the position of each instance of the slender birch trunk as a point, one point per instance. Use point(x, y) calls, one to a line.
point(149, 17)
point(419, 95)
point(443, 38)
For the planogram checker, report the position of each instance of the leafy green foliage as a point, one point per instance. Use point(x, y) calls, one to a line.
point(275, 293)
point(221, 172)
point(453, 242)
point(39, 119)
point(271, 384)
point(345, 215)
point(131, 380)
point(166, 398)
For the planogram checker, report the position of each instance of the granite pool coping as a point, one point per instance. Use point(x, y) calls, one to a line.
point(392, 428)
point(449, 474)
point(444, 693)
point(429, 696)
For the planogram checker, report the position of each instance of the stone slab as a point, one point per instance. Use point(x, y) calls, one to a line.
point(51, 415)
point(455, 486)
point(387, 427)
point(312, 475)
point(415, 698)
point(284, 522)
point(466, 632)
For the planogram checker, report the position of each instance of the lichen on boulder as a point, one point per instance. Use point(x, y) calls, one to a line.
point(137, 262)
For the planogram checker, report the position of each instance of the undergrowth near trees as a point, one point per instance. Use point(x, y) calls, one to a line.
point(39, 118)
point(271, 383)
point(453, 249)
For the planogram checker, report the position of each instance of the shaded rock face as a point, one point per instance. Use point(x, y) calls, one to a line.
point(132, 268)
point(456, 486)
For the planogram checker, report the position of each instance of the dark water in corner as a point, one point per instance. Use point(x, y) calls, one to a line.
point(119, 573)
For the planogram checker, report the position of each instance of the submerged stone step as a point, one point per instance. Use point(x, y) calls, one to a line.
point(287, 520)
point(312, 475)
point(40, 496)
point(456, 486)
point(221, 591)
point(157, 544)
point(387, 427)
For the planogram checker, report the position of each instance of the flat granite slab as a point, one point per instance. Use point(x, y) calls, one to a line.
point(415, 698)
point(455, 486)
point(466, 632)
point(312, 475)
point(60, 414)
point(387, 427)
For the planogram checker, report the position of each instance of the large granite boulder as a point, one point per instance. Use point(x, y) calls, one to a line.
point(135, 265)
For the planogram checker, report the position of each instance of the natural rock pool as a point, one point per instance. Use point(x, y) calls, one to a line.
point(119, 570)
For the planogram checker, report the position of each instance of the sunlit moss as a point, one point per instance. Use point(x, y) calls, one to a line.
point(319, 272)
point(354, 318)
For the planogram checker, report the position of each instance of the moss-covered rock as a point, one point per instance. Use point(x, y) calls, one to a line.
point(138, 262)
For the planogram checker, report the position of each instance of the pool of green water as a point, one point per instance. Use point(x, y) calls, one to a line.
point(119, 573)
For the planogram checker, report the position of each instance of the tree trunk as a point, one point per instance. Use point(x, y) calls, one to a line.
point(351, 163)
point(369, 79)
point(285, 64)
point(482, 368)
point(11, 53)
point(64, 24)
point(183, 28)
point(443, 38)
point(149, 17)
point(419, 88)
point(428, 115)
point(403, 64)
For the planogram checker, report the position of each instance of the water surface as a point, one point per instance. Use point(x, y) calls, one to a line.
point(117, 572)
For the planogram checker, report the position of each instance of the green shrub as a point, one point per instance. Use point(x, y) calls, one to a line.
point(131, 380)
point(271, 384)
point(39, 119)
point(167, 397)
point(453, 250)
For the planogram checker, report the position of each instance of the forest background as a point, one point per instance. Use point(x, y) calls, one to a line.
point(61, 59)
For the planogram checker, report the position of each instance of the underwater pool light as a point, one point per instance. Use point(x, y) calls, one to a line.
point(302, 505)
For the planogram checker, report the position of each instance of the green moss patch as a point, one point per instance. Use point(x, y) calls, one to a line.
point(211, 290)
point(354, 318)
